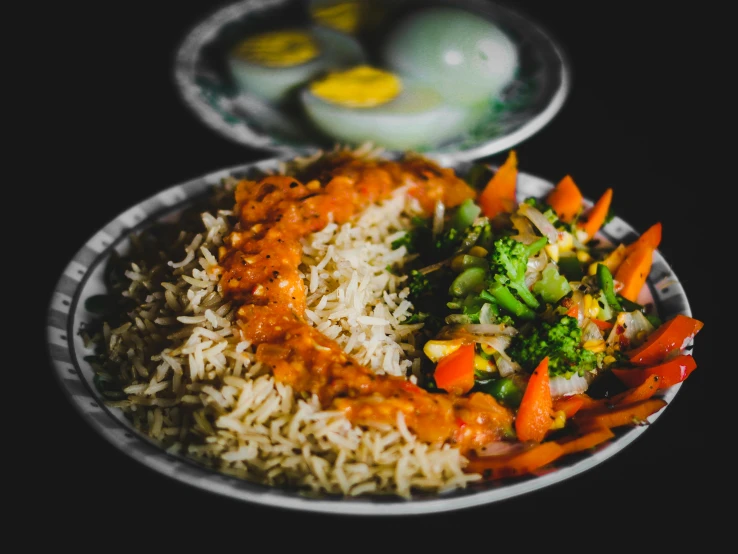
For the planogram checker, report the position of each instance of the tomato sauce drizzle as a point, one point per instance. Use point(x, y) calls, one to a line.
point(260, 260)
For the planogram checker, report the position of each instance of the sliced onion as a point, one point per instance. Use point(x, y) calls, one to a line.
point(632, 326)
point(540, 221)
point(438, 215)
point(433, 267)
point(590, 331)
point(539, 261)
point(506, 366)
point(563, 386)
point(526, 231)
point(486, 315)
point(500, 448)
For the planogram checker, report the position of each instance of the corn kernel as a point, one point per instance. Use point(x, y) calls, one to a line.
point(565, 241)
point(595, 345)
point(591, 307)
point(487, 349)
point(482, 364)
point(583, 256)
point(582, 235)
point(437, 349)
point(478, 251)
point(553, 251)
point(559, 420)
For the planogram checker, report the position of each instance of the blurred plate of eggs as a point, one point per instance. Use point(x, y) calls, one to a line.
point(454, 80)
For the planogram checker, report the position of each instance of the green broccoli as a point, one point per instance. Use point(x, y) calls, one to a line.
point(419, 284)
point(560, 341)
point(508, 263)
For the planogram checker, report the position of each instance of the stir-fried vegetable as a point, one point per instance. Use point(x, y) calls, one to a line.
point(536, 310)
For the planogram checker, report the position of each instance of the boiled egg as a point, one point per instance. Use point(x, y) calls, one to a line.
point(368, 104)
point(464, 56)
point(272, 64)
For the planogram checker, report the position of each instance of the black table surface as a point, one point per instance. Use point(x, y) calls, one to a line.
point(124, 134)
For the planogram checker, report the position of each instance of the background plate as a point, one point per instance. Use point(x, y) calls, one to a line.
point(82, 278)
point(206, 87)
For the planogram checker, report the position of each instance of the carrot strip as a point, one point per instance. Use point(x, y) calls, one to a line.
point(565, 199)
point(602, 325)
point(498, 195)
point(594, 218)
point(639, 390)
point(535, 413)
point(633, 272)
point(621, 414)
point(518, 463)
point(570, 405)
point(587, 439)
point(642, 392)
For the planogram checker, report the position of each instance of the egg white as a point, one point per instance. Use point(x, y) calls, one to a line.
point(418, 118)
point(275, 84)
point(464, 56)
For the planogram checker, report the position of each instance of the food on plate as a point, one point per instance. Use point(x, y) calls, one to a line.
point(354, 17)
point(356, 323)
point(270, 65)
point(366, 103)
point(464, 56)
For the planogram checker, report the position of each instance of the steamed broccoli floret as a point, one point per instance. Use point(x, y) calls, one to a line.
point(419, 284)
point(508, 262)
point(418, 235)
point(560, 341)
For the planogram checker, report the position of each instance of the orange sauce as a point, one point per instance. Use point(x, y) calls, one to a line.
point(260, 260)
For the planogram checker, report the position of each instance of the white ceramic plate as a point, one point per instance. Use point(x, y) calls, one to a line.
point(83, 278)
point(204, 82)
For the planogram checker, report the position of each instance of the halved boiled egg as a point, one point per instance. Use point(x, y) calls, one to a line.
point(270, 65)
point(465, 56)
point(368, 104)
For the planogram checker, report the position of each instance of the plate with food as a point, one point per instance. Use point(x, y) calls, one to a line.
point(461, 79)
point(367, 332)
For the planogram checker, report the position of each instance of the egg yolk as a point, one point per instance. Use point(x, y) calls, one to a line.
point(343, 16)
point(359, 87)
point(278, 48)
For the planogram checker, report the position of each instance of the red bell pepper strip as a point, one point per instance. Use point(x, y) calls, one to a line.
point(668, 337)
point(669, 373)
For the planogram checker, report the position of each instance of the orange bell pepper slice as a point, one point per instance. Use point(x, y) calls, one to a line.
point(633, 271)
point(454, 372)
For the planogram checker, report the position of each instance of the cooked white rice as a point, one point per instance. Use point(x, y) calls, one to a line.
point(193, 385)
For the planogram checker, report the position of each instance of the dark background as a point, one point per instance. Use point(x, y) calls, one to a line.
point(120, 133)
